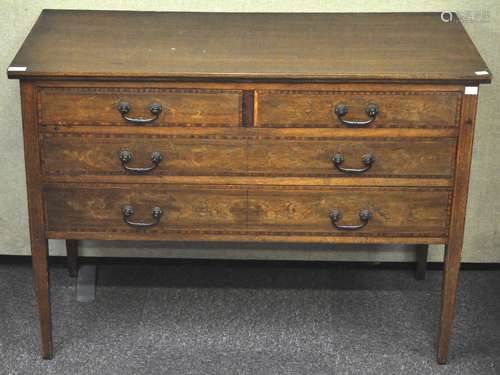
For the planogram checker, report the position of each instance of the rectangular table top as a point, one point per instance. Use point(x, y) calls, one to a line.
point(344, 47)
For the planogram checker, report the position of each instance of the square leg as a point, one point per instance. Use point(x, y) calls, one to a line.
point(421, 252)
point(72, 257)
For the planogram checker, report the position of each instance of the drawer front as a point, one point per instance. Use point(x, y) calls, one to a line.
point(432, 157)
point(96, 208)
point(100, 106)
point(433, 109)
point(394, 211)
point(122, 154)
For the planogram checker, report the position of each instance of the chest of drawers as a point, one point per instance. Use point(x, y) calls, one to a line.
point(248, 127)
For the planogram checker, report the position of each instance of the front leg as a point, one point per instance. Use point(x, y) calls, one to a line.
point(449, 291)
point(39, 257)
point(38, 238)
point(453, 250)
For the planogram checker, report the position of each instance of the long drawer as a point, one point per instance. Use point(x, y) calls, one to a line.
point(135, 106)
point(397, 212)
point(242, 154)
point(374, 109)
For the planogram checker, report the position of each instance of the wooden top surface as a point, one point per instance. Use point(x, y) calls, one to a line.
point(295, 46)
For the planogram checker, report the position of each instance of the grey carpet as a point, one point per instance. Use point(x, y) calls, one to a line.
point(249, 318)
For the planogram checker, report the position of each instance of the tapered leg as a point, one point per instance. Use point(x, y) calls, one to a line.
point(422, 252)
point(39, 243)
point(72, 257)
point(39, 257)
point(453, 250)
point(449, 290)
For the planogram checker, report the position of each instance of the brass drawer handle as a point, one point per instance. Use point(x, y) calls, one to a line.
point(367, 160)
point(124, 108)
point(371, 110)
point(126, 157)
point(364, 216)
point(128, 211)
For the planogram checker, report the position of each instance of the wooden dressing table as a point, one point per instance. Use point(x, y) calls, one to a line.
point(311, 128)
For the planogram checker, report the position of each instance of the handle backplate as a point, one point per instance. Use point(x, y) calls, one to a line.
point(336, 216)
point(128, 211)
point(367, 160)
point(126, 157)
point(124, 108)
point(371, 111)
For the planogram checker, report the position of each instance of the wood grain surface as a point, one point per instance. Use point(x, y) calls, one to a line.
point(396, 212)
point(99, 155)
point(307, 108)
point(339, 46)
point(98, 105)
point(393, 157)
point(184, 207)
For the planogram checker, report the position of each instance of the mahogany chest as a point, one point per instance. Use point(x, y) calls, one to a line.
point(332, 128)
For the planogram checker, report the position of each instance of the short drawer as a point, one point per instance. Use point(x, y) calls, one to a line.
point(350, 211)
point(373, 109)
point(139, 106)
point(151, 208)
point(392, 157)
point(67, 154)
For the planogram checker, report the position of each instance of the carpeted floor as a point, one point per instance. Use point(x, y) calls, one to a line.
point(249, 318)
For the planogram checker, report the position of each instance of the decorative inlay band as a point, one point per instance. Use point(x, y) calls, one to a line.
point(138, 90)
point(252, 233)
point(242, 136)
